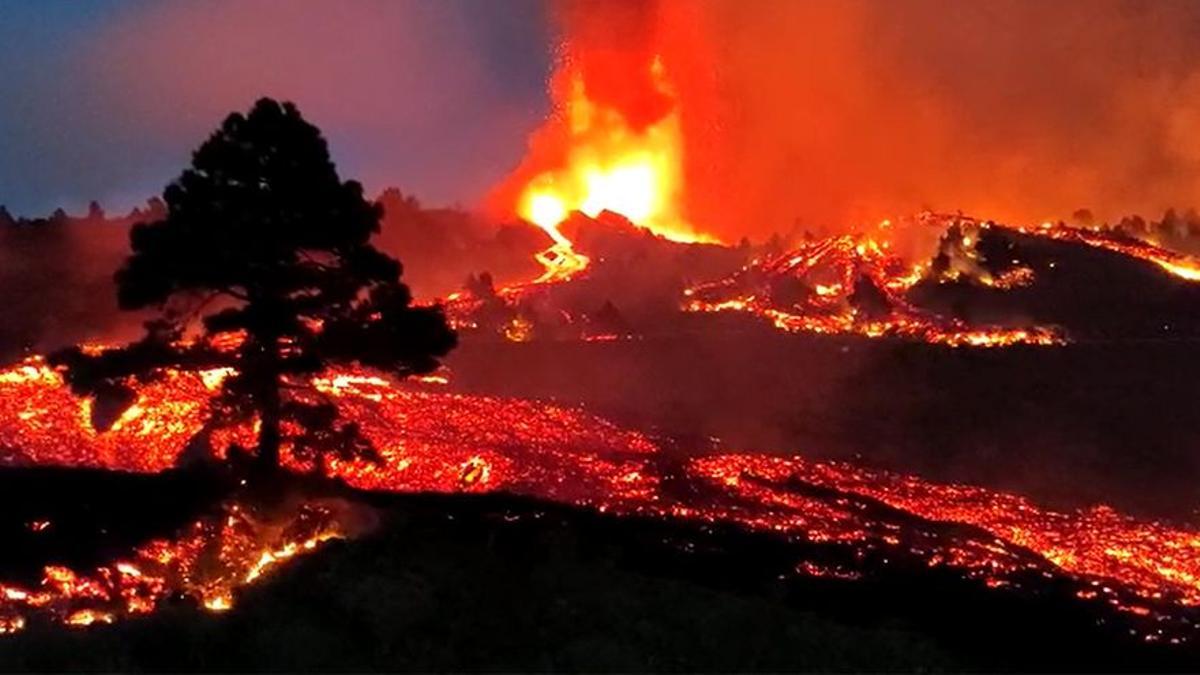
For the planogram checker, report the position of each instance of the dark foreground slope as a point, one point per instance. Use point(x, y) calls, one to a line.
point(1101, 422)
point(493, 583)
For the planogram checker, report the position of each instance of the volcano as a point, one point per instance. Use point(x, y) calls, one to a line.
point(759, 354)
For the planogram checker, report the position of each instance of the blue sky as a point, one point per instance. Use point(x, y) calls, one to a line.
point(105, 99)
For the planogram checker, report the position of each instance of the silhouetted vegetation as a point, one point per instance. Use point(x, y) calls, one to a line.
point(263, 263)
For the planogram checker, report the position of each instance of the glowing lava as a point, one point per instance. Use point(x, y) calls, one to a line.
point(1179, 265)
point(846, 285)
point(206, 562)
point(435, 441)
point(609, 164)
point(852, 284)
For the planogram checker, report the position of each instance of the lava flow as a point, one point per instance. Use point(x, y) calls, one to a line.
point(846, 285)
point(1144, 570)
point(1177, 264)
point(206, 562)
point(852, 284)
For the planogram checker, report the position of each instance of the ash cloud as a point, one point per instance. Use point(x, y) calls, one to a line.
point(826, 114)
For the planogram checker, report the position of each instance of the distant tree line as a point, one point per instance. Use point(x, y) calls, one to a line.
point(153, 209)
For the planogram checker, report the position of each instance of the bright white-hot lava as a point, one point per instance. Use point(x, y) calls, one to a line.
point(607, 163)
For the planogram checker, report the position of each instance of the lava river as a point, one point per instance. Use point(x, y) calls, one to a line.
point(1144, 571)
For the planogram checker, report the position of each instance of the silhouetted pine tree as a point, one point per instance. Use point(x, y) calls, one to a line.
point(262, 239)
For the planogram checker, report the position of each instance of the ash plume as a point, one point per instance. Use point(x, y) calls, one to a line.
point(834, 113)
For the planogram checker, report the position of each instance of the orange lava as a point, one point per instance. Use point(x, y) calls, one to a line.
point(818, 287)
point(602, 163)
point(1179, 265)
point(206, 562)
point(445, 442)
point(606, 163)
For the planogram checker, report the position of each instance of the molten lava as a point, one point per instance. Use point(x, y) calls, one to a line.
point(1179, 265)
point(607, 163)
point(846, 285)
point(435, 441)
point(206, 562)
point(602, 163)
point(852, 284)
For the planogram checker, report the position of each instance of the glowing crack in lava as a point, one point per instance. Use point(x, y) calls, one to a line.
point(435, 441)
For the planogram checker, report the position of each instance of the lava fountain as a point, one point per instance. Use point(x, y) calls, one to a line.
point(609, 165)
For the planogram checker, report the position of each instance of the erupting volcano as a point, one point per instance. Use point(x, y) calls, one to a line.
point(591, 157)
point(601, 155)
point(765, 312)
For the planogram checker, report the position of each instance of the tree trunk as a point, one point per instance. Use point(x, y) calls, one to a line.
point(268, 433)
point(267, 375)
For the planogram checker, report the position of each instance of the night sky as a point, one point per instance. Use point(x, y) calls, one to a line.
point(105, 99)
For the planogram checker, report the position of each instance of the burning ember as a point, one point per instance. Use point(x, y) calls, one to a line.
point(1146, 571)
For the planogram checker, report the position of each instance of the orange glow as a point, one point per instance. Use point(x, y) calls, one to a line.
point(434, 441)
point(87, 617)
point(833, 269)
point(609, 165)
point(1179, 265)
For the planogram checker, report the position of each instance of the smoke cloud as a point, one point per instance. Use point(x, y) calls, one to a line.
point(842, 112)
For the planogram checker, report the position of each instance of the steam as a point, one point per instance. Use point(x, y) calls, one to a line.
point(822, 115)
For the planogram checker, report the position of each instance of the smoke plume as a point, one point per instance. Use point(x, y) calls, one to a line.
point(821, 115)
